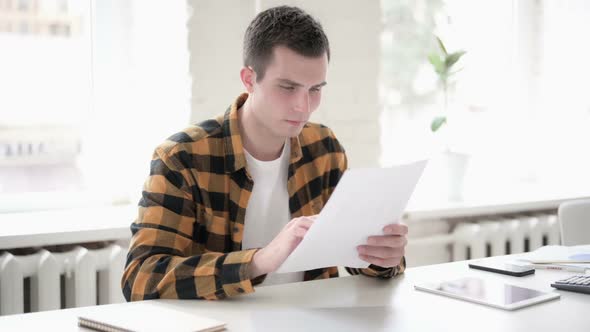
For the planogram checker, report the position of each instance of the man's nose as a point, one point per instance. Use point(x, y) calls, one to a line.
point(303, 103)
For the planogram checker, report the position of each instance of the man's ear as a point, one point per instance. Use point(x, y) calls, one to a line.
point(248, 76)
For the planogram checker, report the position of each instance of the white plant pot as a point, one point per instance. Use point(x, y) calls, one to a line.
point(456, 168)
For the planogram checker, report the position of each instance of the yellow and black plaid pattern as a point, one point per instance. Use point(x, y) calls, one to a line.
point(187, 239)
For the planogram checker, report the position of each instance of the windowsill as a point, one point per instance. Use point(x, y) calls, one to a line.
point(492, 187)
point(56, 200)
point(77, 225)
point(102, 223)
point(515, 199)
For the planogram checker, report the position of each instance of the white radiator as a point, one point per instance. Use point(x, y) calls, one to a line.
point(80, 277)
point(503, 236)
point(480, 237)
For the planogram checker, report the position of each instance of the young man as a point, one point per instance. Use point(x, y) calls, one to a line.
point(229, 199)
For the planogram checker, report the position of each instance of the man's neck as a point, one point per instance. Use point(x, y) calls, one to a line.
point(257, 139)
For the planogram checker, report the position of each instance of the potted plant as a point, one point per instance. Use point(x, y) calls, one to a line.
point(444, 64)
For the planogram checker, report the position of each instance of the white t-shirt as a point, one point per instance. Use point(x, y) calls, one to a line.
point(268, 208)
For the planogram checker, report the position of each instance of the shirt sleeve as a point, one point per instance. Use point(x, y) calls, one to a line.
point(163, 260)
point(378, 271)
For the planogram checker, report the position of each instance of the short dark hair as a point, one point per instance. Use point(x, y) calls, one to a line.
point(282, 26)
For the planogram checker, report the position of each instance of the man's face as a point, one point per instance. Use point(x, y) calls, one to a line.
point(289, 93)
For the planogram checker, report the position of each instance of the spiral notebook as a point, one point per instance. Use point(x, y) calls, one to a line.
point(143, 316)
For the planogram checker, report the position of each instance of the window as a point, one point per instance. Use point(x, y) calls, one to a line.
point(86, 90)
point(46, 89)
point(519, 104)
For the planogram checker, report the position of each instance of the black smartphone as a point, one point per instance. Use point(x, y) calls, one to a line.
point(502, 268)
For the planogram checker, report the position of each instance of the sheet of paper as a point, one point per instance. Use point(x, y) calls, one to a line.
point(559, 254)
point(364, 201)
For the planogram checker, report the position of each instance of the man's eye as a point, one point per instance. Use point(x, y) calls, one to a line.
point(287, 87)
point(315, 89)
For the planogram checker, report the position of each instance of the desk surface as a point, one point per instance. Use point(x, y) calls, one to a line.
point(361, 304)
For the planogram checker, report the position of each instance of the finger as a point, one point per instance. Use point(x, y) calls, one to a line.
point(300, 232)
point(395, 229)
point(391, 262)
point(302, 222)
point(392, 241)
point(381, 252)
point(301, 227)
point(305, 223)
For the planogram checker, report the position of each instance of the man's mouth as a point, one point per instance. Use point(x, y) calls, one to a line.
point(295, 123)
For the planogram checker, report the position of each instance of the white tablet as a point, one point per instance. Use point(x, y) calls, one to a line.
point(489, 292)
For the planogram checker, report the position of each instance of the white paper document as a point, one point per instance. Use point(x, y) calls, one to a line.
point(364, 201)
point(559, 254)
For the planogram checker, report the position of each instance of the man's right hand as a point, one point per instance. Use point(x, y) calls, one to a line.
point(271, 257)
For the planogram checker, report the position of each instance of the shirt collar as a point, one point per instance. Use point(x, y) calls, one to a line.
point(232, 139)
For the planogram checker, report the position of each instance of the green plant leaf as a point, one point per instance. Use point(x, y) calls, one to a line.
point(437, 122)
point(452, 58)
point(438, 63)
point(442, 46)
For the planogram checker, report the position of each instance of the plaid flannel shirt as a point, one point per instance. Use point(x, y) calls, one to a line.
point(187, 239)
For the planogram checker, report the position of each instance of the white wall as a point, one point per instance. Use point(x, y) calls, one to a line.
point(215, 32)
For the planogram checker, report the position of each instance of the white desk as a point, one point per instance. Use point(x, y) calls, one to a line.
point(361, 304)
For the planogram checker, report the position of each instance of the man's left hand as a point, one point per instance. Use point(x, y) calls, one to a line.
point(385, 250)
